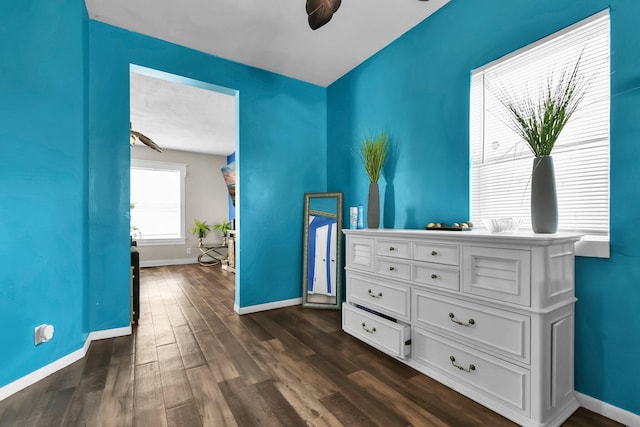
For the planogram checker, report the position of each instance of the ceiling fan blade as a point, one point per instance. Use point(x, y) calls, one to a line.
point(145, 140)
point(321, 11)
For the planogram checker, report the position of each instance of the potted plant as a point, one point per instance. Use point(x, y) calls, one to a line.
point(200, 230)
point(539, 123)
point(224, 226)
point(373, 154)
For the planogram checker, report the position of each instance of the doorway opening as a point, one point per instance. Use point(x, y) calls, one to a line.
point(184, 138)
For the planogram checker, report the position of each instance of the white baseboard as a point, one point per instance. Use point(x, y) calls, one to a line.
point(161, 262)
point(617, 414)
point(109, 333)
point(61, 363)
point(267, 306)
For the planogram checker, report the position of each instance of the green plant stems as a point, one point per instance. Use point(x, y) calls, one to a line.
point(539, 123)
point(373, 154)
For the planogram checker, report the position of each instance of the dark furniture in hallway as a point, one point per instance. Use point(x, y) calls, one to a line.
point(135, 283)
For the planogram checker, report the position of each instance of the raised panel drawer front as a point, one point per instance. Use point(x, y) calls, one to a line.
point(388, 298)
point(436, 275)
point(502, 332)
point(502, 274)
point(387, 336)
point(394, 248)
point(501, 381)
point(360, 253)
point(436, 252)
point(397, 269)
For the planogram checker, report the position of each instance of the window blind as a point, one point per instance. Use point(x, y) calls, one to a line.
point(501, 162)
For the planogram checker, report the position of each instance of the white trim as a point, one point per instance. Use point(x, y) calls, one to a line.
point(613, 412)
point(162, 242)
point(161, 262)
point(267, 306)
point(63, 362)
point(109, 333)
point(593, 246)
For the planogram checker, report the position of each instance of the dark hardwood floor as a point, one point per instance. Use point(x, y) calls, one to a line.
point(192, 361)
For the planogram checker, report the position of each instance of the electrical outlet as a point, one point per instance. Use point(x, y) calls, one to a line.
point(188, 250)
point(42, 333)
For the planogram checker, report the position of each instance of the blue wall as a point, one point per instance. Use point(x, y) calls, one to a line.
point(281, 121)
point(64, 174)
point(43, 185)
point(417, 89)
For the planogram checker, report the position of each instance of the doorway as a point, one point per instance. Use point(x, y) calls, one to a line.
point(194, 126)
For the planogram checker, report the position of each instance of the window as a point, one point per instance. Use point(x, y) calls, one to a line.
point(157, 200)
point(501, 163)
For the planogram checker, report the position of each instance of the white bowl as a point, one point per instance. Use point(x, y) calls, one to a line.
point(502, 225)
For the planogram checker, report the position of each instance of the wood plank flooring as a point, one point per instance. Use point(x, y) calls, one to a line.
point(192, 361)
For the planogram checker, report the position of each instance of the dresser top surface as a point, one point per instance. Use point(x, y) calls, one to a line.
point(521, 237)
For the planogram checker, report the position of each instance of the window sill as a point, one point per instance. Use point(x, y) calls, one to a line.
point(162, 242)
point(593, 247)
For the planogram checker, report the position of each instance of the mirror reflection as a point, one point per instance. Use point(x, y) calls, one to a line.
point(322, 275)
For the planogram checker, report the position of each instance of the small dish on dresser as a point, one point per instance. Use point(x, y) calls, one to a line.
point(502, 225)
point(462, 226)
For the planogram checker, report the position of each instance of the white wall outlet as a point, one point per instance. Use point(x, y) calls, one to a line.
point(188, 250)
point(43, 333)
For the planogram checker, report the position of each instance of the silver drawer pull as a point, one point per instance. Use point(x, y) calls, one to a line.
point(392, 268)
point(371, 331)
point(372, 295)
point(434, 276)
point(434, 253)
point(457, 322)
point(462, 368)
point(391, 249)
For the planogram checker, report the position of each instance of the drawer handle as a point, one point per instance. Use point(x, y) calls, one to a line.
point(462, 368)
point(372, 295)
point(391, 249)
point(457, 322)
point(392, 268)
point(434, 276)
point(371, 331)
point(434, 253)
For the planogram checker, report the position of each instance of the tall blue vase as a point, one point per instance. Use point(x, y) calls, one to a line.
point(544, 200)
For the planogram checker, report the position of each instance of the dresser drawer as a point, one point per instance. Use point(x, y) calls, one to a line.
point(436, 275)
point(436, 252)
point(360, 253)
point(387, 336)
point(391, 299)
point(398, 269)
point(501, 332)
point(501, 274)
point(496, 379)
point(394, 248)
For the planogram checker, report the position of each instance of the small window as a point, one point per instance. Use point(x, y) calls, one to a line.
point(157, 202)
point(501, 163)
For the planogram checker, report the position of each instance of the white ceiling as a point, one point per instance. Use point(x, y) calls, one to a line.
point(269, 34)
point(181, 117)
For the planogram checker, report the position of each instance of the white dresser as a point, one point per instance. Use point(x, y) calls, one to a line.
point(489, 315)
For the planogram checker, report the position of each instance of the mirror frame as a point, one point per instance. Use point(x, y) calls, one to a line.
point(305, 252)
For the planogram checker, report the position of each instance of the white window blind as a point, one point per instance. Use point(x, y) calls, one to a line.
point(157, 198)
point(501, 162)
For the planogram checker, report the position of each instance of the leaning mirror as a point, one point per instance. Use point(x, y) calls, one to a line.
point(322, 248)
